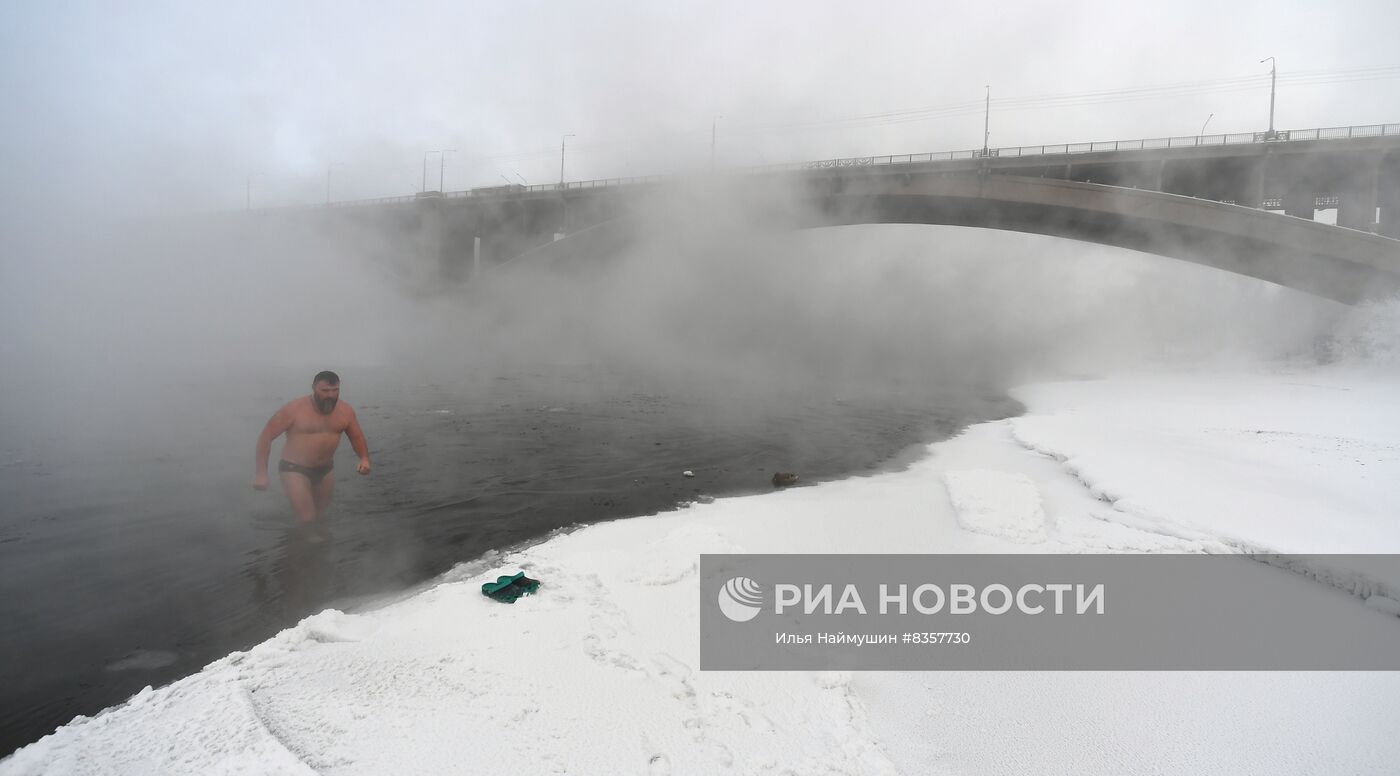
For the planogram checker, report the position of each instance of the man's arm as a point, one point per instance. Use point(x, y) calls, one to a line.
point(357, 441)
point(277, 426)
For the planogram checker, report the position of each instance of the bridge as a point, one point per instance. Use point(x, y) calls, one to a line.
point(1243, 203)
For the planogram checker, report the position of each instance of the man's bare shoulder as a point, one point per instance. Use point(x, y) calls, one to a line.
point(296, 406)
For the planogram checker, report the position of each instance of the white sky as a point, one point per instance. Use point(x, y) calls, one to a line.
point(142, 107)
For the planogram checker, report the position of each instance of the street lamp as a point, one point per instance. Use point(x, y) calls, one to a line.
point(987, 121)
point(1203, 128)
point(248, 191)
point(442, 165)
point(713, 123)
point(1273, 86)
point(426, 154)
point(561, 158)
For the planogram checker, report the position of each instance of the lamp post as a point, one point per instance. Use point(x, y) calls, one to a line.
point(987, 120)
point(1273, 89)
point(426, 154)
point(562, 140)
point(713, 124)
point(442, 165)
point(248, 191)
point(1200, 134)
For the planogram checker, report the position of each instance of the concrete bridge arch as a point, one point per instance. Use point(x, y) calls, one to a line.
point(1344, 265)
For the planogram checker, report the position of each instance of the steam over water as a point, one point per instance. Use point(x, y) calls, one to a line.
point(172, 270)
point(143, 556)
point(133, 549)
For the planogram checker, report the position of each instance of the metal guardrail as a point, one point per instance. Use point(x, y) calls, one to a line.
point(1013, 152)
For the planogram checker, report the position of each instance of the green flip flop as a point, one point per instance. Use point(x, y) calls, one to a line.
point(507, 589)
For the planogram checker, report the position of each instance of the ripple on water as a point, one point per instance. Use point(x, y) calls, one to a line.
point(143, 660)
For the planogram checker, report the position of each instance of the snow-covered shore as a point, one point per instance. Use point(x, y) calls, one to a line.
point(598, 674)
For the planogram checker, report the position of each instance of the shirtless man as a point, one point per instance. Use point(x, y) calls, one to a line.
point(313, 425)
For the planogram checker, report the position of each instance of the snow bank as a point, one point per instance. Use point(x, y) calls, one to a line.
point(1301, 462)
point(996, 503)
point(598, 672)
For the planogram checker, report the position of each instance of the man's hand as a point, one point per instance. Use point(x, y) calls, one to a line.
point(363, 466)
point(260, 481)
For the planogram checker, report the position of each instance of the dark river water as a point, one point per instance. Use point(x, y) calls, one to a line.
point(133, 550)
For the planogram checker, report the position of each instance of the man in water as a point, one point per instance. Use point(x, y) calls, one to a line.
point(313, 425)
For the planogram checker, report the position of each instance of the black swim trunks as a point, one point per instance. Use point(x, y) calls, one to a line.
point(312, 473)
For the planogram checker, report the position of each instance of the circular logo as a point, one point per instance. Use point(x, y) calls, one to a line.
point(741, 599)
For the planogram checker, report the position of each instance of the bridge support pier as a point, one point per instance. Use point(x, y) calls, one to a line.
point(1300, 203)
point(1356, 208)
point(1390, 222)
point(1248, 195)
point(1252, 187)
point(1388, 196)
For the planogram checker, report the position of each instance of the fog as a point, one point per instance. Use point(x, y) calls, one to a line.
point(163, 107)
point(170, 273)
point(155, 280)
point(134, 135)
point(713, 298)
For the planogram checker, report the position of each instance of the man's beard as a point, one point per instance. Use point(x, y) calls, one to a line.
point(325, 406)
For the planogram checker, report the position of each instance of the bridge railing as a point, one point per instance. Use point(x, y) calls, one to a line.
point(1102, 146)
point(1337, 133)
point(1146, 144)
point(1060, 149)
